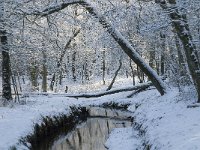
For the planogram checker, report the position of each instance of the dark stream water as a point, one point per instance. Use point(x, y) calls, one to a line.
point(92, 134)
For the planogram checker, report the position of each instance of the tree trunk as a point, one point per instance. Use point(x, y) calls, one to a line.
point(162, 60)
point(53, 79)
point(34, 75)
point(6, 71)
point(152, 58)
point(74, 66)
point(181, 59)
point(181, 27)
point(86, 71)
point(104, 67)
point(116, 73)
point(44, 73)
point(18, 78)
point(132, 71)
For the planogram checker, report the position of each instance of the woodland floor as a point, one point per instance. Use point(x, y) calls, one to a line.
point(166, 121)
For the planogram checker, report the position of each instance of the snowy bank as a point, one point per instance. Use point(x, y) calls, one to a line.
point(18, 120)
point(167, 121)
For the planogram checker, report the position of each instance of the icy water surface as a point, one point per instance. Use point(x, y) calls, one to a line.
point(92, 134)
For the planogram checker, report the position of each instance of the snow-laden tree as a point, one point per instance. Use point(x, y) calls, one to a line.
point(181, 27)
point(124, 44)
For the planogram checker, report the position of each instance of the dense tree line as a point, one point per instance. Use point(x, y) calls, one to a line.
point(83, 40)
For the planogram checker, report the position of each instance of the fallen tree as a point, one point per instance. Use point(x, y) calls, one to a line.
point(117, 36)
point(137, 91)
point(137, 87)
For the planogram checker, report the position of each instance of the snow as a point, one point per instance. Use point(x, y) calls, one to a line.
point(123, 138)
point(167, 121)
point(18, 120)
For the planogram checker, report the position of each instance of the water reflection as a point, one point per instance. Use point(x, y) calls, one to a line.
point(92, 134)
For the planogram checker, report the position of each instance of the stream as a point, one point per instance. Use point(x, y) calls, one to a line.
point(68, 133)
point(93, 133)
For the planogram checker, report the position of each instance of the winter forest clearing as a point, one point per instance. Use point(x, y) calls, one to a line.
point(100, 74)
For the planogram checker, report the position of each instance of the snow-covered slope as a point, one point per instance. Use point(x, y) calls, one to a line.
point(168, 123)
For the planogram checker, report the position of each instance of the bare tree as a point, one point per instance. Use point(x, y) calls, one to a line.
point(124, 44)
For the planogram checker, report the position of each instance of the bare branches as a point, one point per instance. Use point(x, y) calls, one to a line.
point(123, 43)
point(55, 8)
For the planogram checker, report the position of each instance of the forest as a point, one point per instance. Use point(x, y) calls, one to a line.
point(61, 58)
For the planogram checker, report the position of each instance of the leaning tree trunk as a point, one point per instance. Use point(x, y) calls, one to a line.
point(123, 43)
point(115, 76)
point(180, 24)
point(6, 84)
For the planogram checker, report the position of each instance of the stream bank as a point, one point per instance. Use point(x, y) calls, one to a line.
point(84, 129)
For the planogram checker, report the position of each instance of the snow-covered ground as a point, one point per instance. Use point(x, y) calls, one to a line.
point(168, 123)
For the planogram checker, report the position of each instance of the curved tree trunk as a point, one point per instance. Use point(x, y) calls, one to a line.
point(123, 43)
